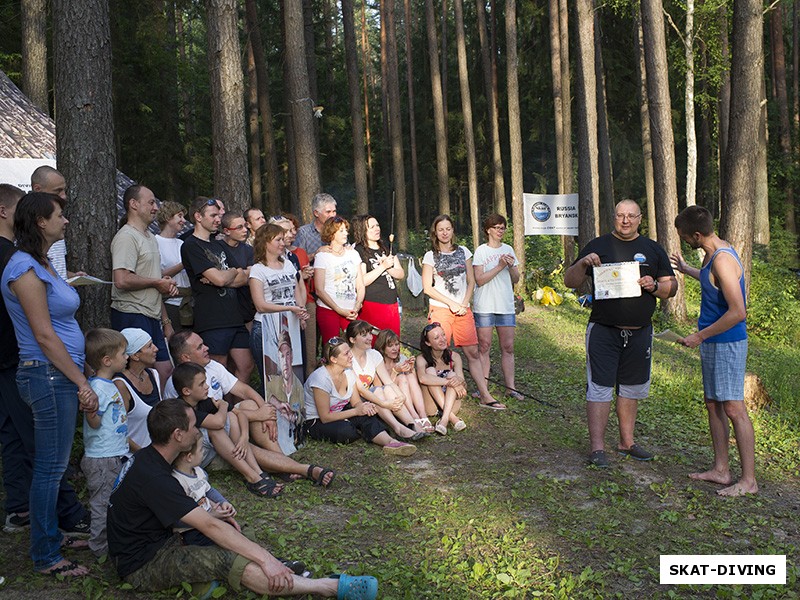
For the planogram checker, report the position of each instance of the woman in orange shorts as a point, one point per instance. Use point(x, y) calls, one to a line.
point(448, 280)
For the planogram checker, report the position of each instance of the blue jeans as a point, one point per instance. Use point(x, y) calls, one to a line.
point(54, 402)
point(16, 439)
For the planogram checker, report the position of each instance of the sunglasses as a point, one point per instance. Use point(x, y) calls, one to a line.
point(336, 341)
point(430, 327)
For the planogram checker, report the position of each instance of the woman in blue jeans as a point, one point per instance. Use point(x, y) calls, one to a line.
point(50, 377)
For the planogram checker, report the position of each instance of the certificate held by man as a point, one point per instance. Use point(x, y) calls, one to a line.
point(617, 280)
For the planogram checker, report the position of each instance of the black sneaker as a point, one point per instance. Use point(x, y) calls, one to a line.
point(16, 522)
point(81, 529)
point(298, 567)
point(599, 459)
point(636, 452)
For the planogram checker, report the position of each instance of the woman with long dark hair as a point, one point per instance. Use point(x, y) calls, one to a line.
point(50, 377)
point(381, 270)
point(449, 281)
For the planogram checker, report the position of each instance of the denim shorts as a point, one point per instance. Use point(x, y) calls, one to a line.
point(495, 320)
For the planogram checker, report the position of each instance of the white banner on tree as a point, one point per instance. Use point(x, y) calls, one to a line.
point(551, 214)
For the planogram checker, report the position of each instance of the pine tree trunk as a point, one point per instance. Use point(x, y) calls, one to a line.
point(761, 233)
point(356, 113)
point(412, 123)
point(644, 117)
point(469, 134)
point(253, 130)
point(566, 106)
point(588, 176)
point(747, 71)
point(604, 165)
point(688, 100)
point(85, 144)
point(555, 73)
point(440, 131)
point(782, 99)
point(515, 137)
point(443, 58)
point(724, 102)
point(227, 106)
point(487, 62)
point(396, 132)
point(33, 15)
point(662, 140)
point(273, 176)
point(299, 98)
point(365, 53)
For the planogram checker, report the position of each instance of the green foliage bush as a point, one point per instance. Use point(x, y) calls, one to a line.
point(773, 311)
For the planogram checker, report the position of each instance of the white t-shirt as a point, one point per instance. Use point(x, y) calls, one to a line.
point(321, 379)
point(340, 277)
point(497, 295)
point(220, 382)
point(279, 286)
point(170, 251)
point(366, 373)
point(449, 273)
point(137, 415)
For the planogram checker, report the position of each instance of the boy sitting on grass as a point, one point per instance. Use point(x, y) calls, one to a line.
point(105, 431)
point(229, 437)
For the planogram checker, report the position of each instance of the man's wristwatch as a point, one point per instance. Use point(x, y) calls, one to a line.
point(655, 287)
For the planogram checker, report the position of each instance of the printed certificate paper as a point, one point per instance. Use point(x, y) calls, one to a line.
point(617, 280)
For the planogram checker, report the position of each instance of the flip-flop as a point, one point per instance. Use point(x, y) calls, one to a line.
point(492, 405)
point(320, 480)
point(73, 543)
point(64, 570)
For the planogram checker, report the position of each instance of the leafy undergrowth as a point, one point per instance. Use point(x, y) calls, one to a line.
point(508, 508)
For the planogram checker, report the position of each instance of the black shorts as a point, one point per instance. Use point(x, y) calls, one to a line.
point(221, 341)
point(618, 360)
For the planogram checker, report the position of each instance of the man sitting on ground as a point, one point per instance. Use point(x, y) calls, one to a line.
point(148, 502)
point(187, 346)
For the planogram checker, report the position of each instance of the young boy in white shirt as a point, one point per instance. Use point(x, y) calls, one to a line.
point(105, 431)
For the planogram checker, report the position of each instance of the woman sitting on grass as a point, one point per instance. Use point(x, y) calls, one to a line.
point(401, 372)
point(334, 409)
point(376, 386)
point(441, 377)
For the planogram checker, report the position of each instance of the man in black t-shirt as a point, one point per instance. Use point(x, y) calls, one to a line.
point(215, 282)
point(620, 332)
point(148, 502)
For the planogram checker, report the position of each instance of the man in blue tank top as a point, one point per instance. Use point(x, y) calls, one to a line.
point(722, 337)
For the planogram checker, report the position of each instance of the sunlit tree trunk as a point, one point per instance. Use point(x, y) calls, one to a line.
point(761, 233)
point(487, 60)
point(566, 104)
point(555, 72)
point(688, 100)
point(356, 113)
point(747, 71)
point(273, 178)
point(396, 131)
point(85, 144)
point(778, 55)
point(365, 53)
point(412, 123)
point(33, 15)
point(588, 177)
point(311, 66)
point(515, 136)
point(227, 105)
point(644, 117)
point(469, 135)
point(440, 130)
point(443, 58)
point(604, 164)
point(662, 140)
point(253, 130)
point(724, 102)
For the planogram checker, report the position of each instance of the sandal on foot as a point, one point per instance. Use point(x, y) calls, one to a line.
point(265, 487)
point(320, 481)
point(285, 477)
point(68, 568)
point(495, 405)
point(73, 543)
point(425, 424)
point(356, 588)
point(441, 429)
point(399, 449)
point(459, 426)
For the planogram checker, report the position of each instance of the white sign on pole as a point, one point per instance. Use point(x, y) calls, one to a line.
point(551, 214)
point(17, 171)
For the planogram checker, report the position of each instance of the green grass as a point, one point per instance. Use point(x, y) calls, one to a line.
point(508, 509)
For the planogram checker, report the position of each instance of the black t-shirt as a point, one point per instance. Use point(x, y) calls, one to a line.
point(242, 256)
point(203, 409)
point(9, 351)
point(214, 307)
point(653, 261)
point(146, 503)
point(383, 290)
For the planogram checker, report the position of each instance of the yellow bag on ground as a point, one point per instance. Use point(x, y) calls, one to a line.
point(547, 296)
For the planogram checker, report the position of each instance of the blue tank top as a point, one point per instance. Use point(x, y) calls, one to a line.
point(713, 304)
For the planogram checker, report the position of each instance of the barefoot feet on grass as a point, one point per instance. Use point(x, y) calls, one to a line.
point(740, 488)
point(720, 477)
